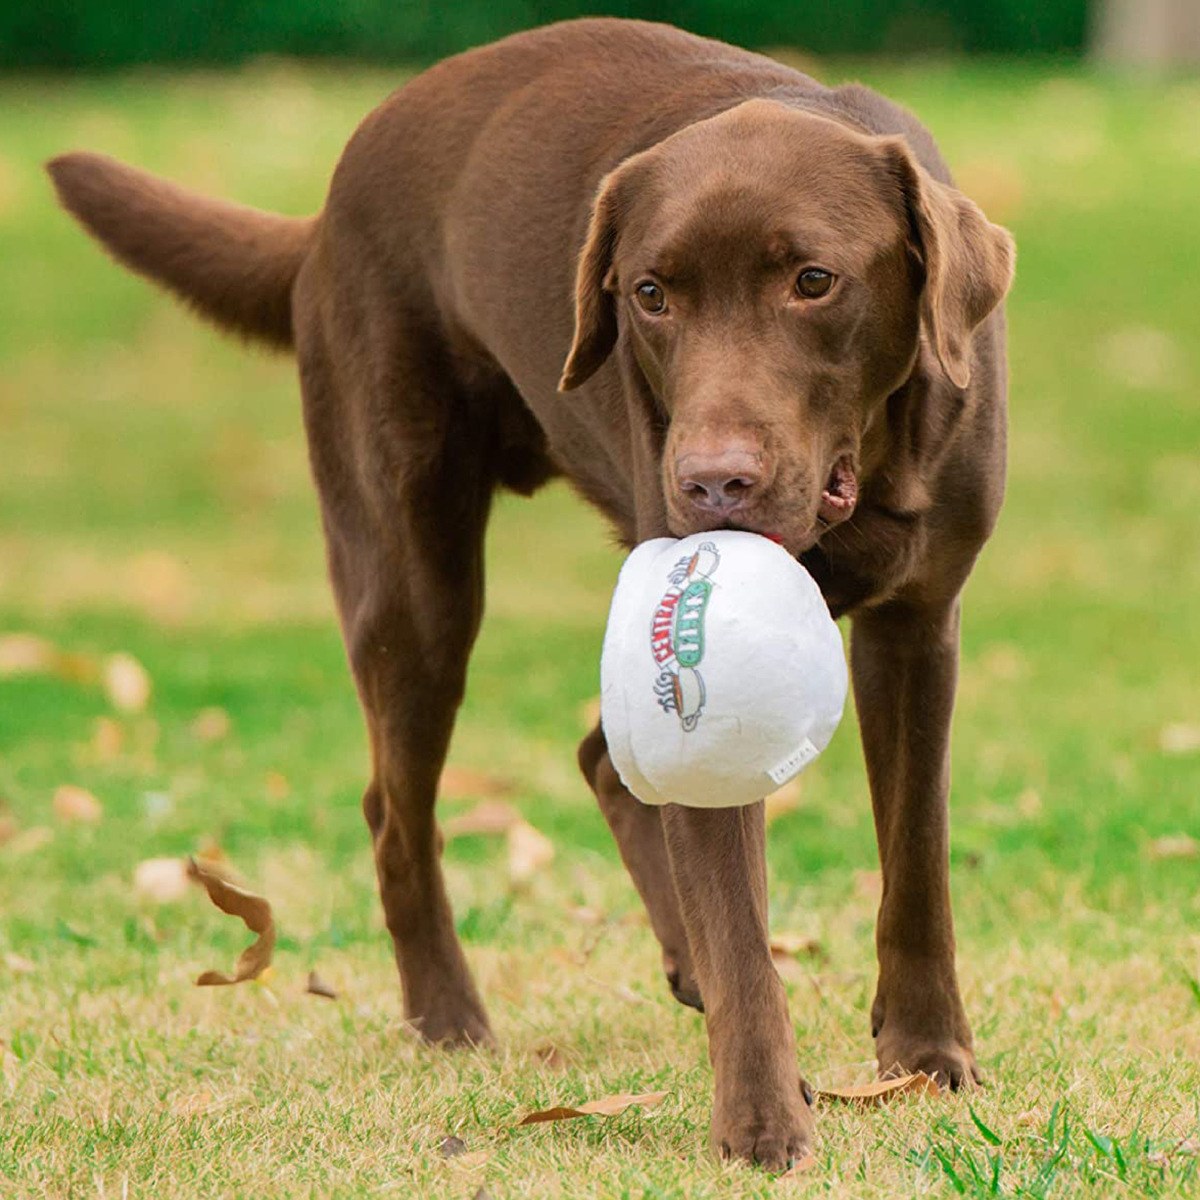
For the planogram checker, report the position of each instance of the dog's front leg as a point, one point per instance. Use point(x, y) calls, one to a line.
point(761, 1107)
point(905, 666)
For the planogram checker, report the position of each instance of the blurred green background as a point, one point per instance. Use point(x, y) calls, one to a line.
point(155, 502)
point(114, 33)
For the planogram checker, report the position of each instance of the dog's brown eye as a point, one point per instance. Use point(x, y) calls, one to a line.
point(650, 296)
point(814, 283)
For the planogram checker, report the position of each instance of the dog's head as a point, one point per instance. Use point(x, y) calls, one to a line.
point(774, 273)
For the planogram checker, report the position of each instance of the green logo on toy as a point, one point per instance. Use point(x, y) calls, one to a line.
point(689, 623)
point(677, 635)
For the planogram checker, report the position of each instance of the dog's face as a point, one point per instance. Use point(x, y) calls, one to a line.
point(773, 272)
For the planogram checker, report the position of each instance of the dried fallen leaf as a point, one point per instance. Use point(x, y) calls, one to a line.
point(1178, 845)
point(161, 880)
point(1179, 739)
point(528, 852)
point(210, 725)
point(126, 683)
point(607, 1106)
point(318, 987)
point(799, 1167)
point(786, 800)
point(452, 1147)
point(881, 1091)
point(462, 783)
point(18, 964)
point(487, 817)
point(253, 910)
point(73, 804)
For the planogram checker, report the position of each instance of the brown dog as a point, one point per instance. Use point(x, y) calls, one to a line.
point(775, 313)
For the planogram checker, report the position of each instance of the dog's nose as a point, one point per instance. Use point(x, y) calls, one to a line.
point(719, 482)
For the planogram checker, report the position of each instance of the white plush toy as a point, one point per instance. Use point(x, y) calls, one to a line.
point(723, 674)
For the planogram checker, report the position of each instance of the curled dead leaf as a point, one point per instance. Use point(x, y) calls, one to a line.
point(529, 851)
point(487, 817)
point(466, 783)
point(161, 880)
point(253, 910)
point(882, 1091)
point(318, 987)
point(126, 683)
point(76, 804)
point(607, 1106)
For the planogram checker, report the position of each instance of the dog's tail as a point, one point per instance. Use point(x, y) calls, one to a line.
point(234, 265)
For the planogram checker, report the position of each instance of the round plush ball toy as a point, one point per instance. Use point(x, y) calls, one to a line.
point(723, 674)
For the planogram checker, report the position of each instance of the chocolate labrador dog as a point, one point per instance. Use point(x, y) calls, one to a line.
point(711, 293)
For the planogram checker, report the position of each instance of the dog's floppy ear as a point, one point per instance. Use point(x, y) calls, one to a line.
point(968, 261)
point(595, 308)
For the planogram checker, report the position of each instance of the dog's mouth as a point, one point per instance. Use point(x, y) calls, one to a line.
point(840, 494)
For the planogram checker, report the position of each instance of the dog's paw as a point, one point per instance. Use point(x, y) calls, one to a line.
point(773, 1132)
point(453, 1022)
point(947, 1060)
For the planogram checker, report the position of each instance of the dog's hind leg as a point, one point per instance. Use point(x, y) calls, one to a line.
point(639, 835)
point(405, 483)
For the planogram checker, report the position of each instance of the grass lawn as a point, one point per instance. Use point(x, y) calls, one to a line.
point(154, 500)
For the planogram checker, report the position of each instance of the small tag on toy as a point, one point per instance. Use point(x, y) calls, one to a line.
point(800, 757)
